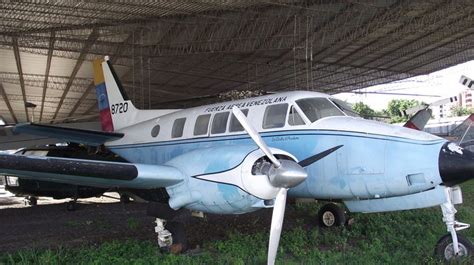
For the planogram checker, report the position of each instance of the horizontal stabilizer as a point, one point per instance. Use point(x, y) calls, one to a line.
point(90, 172)
point(88, 137)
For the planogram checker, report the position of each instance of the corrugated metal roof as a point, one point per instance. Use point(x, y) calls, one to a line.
point(184, 53)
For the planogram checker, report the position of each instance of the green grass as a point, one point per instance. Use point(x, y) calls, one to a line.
point(387, 238)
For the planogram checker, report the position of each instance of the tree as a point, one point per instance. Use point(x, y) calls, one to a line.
point(457, 111)
point(364, 110)
point(396, 107)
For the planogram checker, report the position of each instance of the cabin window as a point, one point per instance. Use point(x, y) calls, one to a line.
point(219, 123)
point(317, 108)
point(235, 125)
point(275, 116)
point(345, 107)
point(202, 124)
point(178, 128)
point(155, 131)
point(294, 117)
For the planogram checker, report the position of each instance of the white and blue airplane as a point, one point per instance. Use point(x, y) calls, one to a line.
point(241, 156)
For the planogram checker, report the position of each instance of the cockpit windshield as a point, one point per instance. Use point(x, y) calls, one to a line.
point(317, 108)
point(345, 107)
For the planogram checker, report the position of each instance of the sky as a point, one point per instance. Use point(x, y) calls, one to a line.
point(443, 83)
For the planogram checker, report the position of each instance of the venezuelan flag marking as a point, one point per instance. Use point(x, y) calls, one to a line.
point(102, 98)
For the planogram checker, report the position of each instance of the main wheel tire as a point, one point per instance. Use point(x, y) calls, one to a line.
point(180, 242)
point(32, 201)
point(331, 215)
point(445, 250)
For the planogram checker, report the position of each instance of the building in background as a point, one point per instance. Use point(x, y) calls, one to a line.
point(442, 111)
point(465, 99)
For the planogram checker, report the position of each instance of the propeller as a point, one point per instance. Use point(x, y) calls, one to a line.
point(284, 174)
point(310, 160)
point(255, 136)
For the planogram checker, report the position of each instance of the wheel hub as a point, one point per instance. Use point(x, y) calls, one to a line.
point(449, 251)
point(329, 219)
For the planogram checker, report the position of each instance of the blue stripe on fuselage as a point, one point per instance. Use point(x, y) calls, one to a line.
point(300, 143)
point(275, 134)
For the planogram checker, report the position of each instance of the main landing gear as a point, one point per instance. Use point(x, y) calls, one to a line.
point(171, 235)
point(31, 200)
point(452, 246)
point(331, 215)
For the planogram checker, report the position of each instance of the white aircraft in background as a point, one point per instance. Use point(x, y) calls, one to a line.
point(241, 156)
point(422, 113)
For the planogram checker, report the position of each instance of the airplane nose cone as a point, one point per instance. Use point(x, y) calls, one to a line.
point(456, 164)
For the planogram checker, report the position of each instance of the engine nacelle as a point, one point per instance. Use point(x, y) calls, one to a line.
point(224, 179)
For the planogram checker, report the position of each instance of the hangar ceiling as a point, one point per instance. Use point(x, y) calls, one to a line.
point(179, 53)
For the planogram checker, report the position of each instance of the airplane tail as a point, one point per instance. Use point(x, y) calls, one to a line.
point(419, 120)
point(463, 132)
point(116, 109)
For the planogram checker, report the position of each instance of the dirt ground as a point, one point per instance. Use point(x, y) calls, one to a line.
point(50, 225)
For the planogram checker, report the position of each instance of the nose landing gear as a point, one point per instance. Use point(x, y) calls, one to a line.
point(453, 246)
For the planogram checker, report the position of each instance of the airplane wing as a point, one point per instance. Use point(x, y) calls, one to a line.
point(12, 141)
point(89, 137)
point(90, 172)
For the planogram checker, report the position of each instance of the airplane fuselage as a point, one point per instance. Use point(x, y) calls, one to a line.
point(376, 160)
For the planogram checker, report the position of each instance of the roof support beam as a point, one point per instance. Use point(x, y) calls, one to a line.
point(46, 75)
point(91, 108)
point(90, 42)
point(7, 102)
point(16, 51)
point(81, 100)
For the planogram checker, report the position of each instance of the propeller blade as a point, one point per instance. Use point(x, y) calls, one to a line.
point(255, 136)
point(277, 223)
point(310, 160)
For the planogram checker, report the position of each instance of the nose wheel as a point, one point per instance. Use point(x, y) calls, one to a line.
point(445, 248)
point(453, 246)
